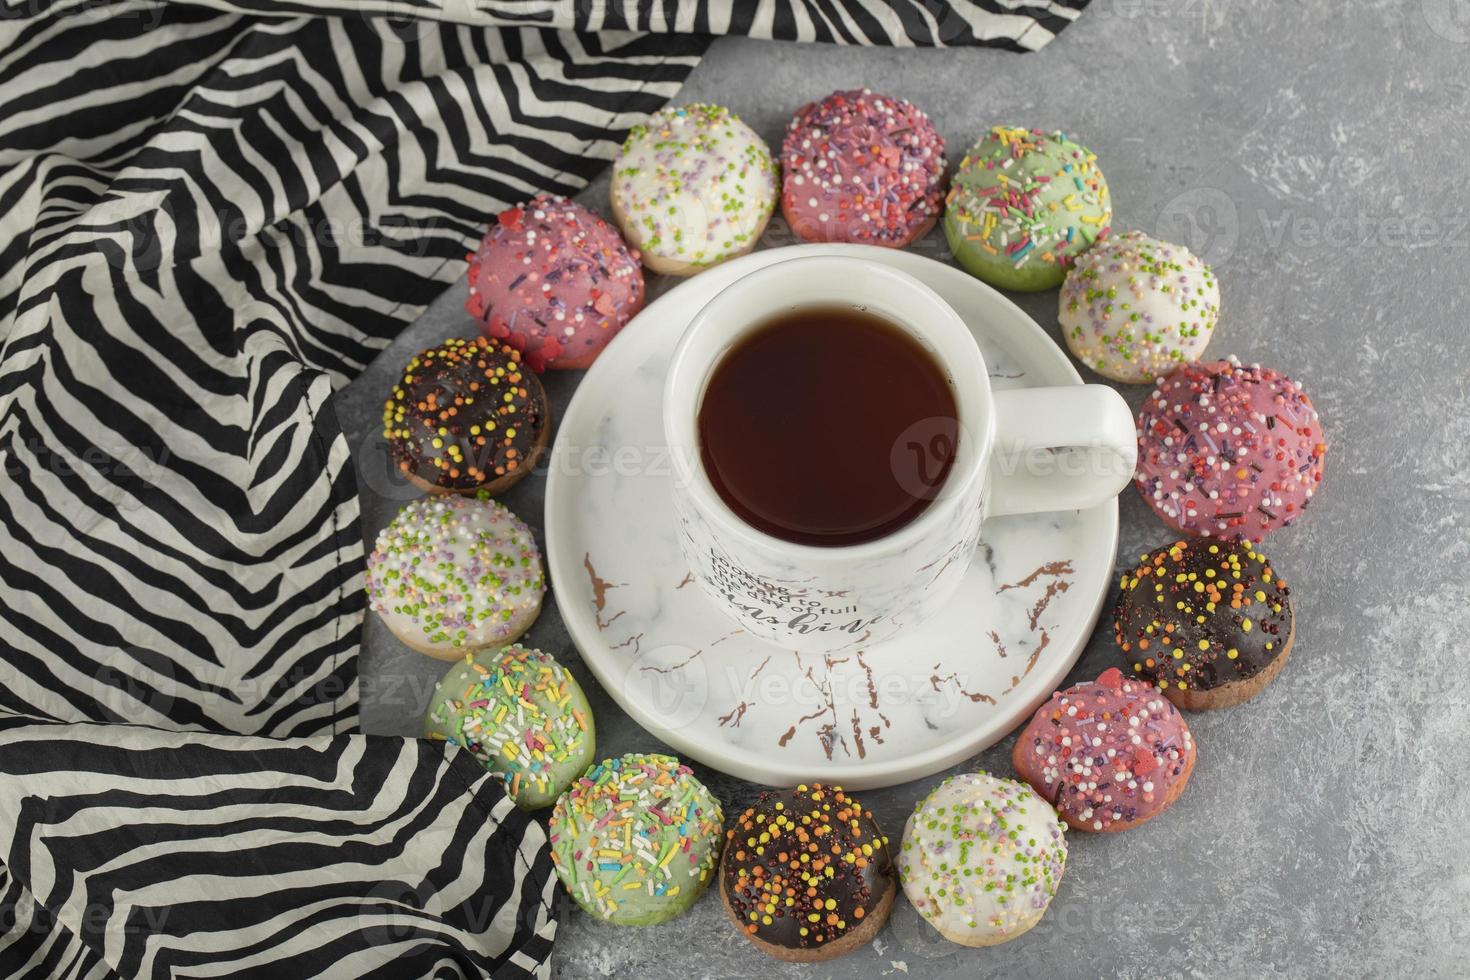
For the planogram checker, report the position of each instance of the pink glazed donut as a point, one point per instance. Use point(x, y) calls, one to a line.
point(1109, 754)
point(864, 168)
point(555, 281)
point(1228, 450)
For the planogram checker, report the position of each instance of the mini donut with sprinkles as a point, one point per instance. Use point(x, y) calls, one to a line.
point(1209, 622)
point(451, 575)
point(862, 167)
point(692, 187)
point(1023, 205)
point(982, 858)
point(554, 281)
point(636, 839)
point(465, 417)
point(522, 715)
point(1229, 450)
point(807, 875)
point(1109, 754)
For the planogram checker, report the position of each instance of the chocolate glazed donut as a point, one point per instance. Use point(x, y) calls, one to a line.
point(807, 875)
point(466, 416)
point(1210, 622)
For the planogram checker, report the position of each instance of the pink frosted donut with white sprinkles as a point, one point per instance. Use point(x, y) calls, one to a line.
point(555, 281)
point(1228, 450)
point(1109, 754)
point(861, 167)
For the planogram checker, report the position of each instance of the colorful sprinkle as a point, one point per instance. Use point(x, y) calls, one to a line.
point(497, 704)
point(466, 415)
point(1024, 205)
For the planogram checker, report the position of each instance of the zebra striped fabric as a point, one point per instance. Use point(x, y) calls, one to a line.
point(1016, 24)
point(328, 856)
point(184, 286)
point(214, 213)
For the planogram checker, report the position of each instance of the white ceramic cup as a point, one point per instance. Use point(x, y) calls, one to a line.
point(828, 599)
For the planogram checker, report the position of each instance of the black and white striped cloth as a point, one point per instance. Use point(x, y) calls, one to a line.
point(178, 854)
point(212, 214)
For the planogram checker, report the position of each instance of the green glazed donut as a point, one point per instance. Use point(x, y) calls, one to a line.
point(522, 715)
point(1024, 204)
point(636, 840)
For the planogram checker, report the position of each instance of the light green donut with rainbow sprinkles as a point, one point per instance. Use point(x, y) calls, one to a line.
point(636, 840)
point(1024, 204)
point(522, 715)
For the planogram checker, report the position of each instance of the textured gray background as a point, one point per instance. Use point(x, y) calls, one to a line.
point(1316, 153)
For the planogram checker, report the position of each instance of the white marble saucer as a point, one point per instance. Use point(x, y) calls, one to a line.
point(693, 678)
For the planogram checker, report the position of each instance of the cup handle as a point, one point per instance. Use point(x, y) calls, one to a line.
point(1092, 420)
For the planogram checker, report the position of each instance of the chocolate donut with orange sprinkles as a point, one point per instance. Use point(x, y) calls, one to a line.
point(807, 875)
point(466, 416)
point(1209, 622)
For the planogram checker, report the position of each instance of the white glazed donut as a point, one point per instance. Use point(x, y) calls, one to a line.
point(451, 575)
point(693, 186)
point(981, 858)
point(1134, 308)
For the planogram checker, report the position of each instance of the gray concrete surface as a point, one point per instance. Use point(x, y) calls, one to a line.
point(1317, 153)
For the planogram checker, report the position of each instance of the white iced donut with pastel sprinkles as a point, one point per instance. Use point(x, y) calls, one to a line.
point(1134, 308)
point(981, 858)
point(692, 187)
point(451, 575)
